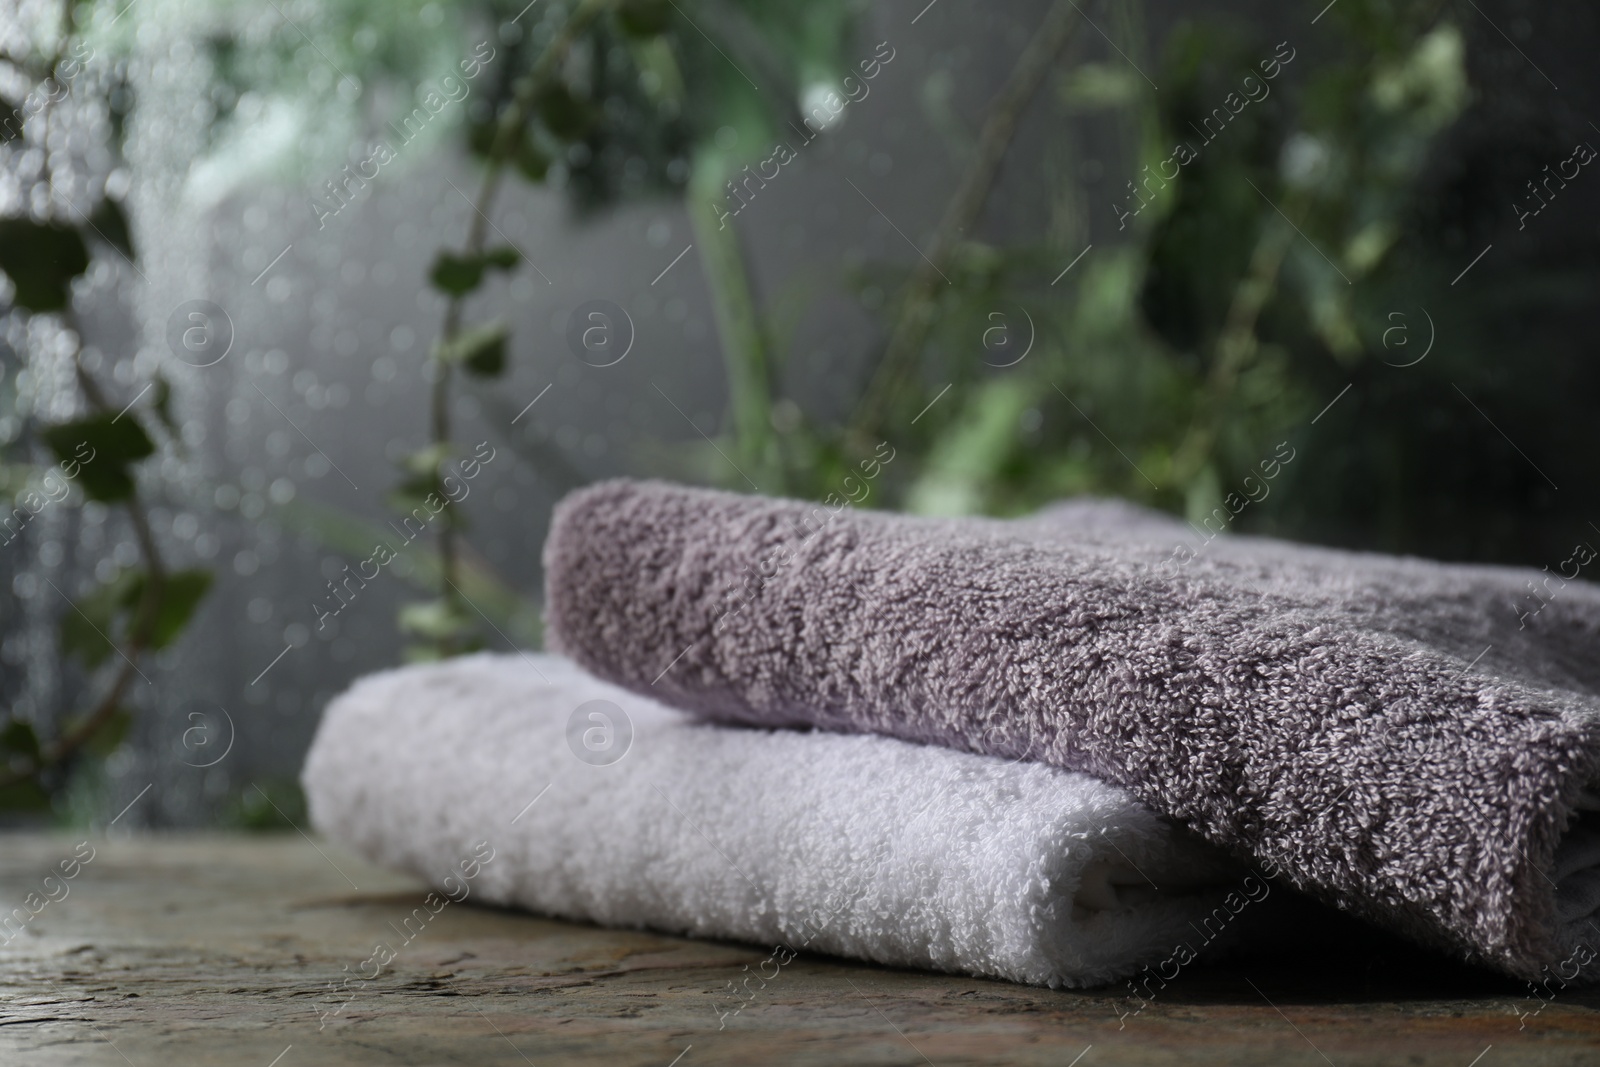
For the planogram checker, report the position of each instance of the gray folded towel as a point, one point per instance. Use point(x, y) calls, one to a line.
point(1406, 739)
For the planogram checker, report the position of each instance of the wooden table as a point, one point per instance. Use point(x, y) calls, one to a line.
point(172, 951)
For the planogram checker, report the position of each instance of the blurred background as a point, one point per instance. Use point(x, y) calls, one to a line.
point(312, 310)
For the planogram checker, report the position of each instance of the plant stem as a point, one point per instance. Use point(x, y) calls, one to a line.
point(918, 303)
point(744, 346)
point(1236, 346)
point(509, 127)
point(149, 606)
point(144, 619)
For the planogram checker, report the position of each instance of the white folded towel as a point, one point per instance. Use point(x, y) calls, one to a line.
point(858, 846)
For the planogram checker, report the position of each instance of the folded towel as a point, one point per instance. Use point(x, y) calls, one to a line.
point(855, 846)
point(1409, 740)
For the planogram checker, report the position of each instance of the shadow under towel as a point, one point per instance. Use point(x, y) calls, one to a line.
point(868, 847)
point(1406, 739)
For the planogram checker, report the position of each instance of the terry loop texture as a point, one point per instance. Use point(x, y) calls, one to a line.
point(1406, 739)
point(857, 846)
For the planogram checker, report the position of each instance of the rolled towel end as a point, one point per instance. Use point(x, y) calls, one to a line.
point(857, 846)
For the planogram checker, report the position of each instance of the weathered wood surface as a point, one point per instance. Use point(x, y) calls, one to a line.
point(220, 950)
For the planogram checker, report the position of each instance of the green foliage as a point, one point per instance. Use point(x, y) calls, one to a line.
point(15, 478)
point(638, 93)
point(18, 739)
point(96, 451)
point(10, 122)
point(1174, 356)
point(481, 351)
point(421, 478)
point(635, 146)
point(563, 114)
point(24, 796)
point(161, 404)
point(502, 257)
point(108, 222)
point(530, 160)
point(457, 275)
point(371, 60)
point(112, 444)
point(507, 610)
point(1248, 289)
point(656, 81)
point(109, 737)
point(41, 259)
point(104, 618)
point(90, 630)
point(443, 625)
point(181, 593)
point(644, 18)
point(267, 805)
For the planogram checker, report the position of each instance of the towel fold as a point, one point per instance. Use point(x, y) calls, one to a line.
point(602, 805)
point(1408, 740)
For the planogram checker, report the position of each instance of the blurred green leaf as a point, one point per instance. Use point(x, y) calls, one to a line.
point(267, 805)
point(26, 795)
point(644, 18)
point(460, 275)
point(511, 612)
point(562, 113)
point(501, 257)
point(967, 459)
point(10, 121)
point(114, 442)
point(110, 222)
point(529, 160)
point(1100, 86)
point(89, 628)
point(120, 438)
point(16, 477)
point(456, 275)
point(413, 492)
point(18, 739)
point(105, 615)
point(161, 401)
point(437, 619)
point(443, 626)
point(111, 733)
point(424, 462)
point(181, 593)
point(482, 351)
point(41, 259)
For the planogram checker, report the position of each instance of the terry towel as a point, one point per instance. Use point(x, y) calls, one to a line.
point(855, 846)
point(1406, 739)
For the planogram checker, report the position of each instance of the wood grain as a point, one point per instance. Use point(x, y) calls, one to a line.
point(220, 950)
